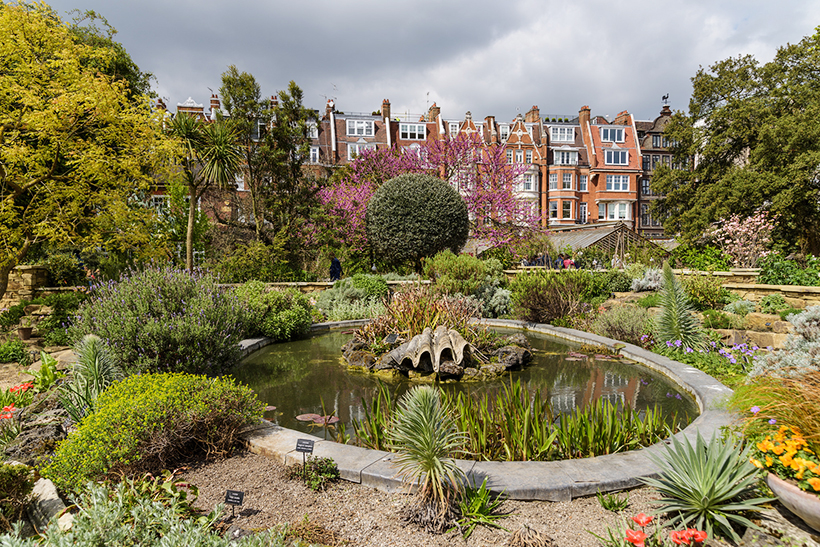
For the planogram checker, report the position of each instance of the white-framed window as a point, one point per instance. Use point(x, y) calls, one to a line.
point(567, 181)
point(504, 132)
point(564, 157)
point(566, 209)
point(312, 130)
point(453, 126)
point(519, 156)
point(582, 213)
point(160, 204)
point(553, 209)
point(562, 134)
point(412, 131)
point(617, 157)
point(314, 154)
point(509, 156)
point(528, 182)
point(615, 210)
point(583, 183)
point(553, 181)
point(528, 155)
point(617, 183)
point(601, 211)
point(360, 128)
point(612, 134)
point(354, 149)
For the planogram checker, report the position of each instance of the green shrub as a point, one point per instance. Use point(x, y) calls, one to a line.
point(703, 258)
point(625, 323)
point(713, 319)
point(496, 301)
point(788, 312)
point(800, 353)
point(254, 261)
point(113, 515)
point(777, 270)
point(618, 281)
point(546, 295)
point(414, 216)
point(149, 422)
point(463, 274)
point(740, 307)
point(11, 316)
point(317, 472)
point(705, 292)
point(162, 320)
point(373, 286)
point(649, 301)
point(773, 303)
point(16, 484)
point(14, 351)
point(54, 328)
point(280, 314)
point(64, 270)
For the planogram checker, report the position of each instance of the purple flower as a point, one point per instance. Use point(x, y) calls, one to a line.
point(678, 343)
point(772, 421)
point(678, 397)
point(755, 409)
point(688, 350)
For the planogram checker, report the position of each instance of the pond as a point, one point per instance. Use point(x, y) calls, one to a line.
point(300, 377)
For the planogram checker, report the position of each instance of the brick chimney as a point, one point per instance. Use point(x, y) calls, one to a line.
point(330, 107)
point(583, 116)
point(215, 106)
point(161, 105)
point(386, 109)
point(533, 115)
point(623, 118)
point(433, 113)
point(666, 111)
point(274, 101)
point(492, 129)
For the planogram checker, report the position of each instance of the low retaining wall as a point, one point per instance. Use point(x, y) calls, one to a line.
point(552, 481)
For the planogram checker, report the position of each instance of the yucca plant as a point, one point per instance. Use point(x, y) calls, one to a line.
point(479, 507)
point(96, 369)
point(677, 320)
point(425, 437)
point(707, 486)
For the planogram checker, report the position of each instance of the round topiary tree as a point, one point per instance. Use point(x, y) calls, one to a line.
point(413, 216)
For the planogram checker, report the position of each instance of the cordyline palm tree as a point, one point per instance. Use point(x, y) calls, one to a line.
point(211, 158)
point(425, 437)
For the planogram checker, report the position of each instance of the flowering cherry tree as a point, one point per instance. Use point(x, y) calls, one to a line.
point(746, 240)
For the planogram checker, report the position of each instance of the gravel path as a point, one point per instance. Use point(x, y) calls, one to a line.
point(366, 517)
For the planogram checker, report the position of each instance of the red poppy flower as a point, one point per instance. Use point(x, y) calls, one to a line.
point(678, 538)
point(642, 519)
point(635, 537)
point(9, 408)
point(698, 536)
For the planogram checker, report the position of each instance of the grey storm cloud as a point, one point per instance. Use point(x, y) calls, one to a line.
point(492, 58)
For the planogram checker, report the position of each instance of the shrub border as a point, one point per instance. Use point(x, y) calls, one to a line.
point(550, 481)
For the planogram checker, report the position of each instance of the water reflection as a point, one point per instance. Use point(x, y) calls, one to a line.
point(309, 376)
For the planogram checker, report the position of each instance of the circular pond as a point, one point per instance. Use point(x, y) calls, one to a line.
point(308, 376)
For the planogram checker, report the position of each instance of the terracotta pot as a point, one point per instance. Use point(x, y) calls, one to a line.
point(24, 332)
point(803, 504)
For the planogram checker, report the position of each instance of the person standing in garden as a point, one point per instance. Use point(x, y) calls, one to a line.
point(335, 269)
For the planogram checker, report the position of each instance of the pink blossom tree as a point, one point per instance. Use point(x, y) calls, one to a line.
point(746, 240)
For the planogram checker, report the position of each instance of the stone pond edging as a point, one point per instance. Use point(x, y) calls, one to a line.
point(550, 481)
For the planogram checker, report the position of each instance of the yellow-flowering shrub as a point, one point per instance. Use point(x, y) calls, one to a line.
point(151, 422)
point(786, 455)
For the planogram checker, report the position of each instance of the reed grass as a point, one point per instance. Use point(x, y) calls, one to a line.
point(520, 425)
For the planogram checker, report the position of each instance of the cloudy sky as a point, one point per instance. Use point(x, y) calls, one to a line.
point(489, 57)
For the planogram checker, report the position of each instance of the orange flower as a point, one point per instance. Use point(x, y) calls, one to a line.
point(769, 461)
point(814, 482)
point(786, 459)
point(635, 537)
point(756, 463)
point(642, 519)
point(765, 445)
point(778, 449)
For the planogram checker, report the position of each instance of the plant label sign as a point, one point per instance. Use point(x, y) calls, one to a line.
point(305, 446)
point(234, 497)
point(391, 338)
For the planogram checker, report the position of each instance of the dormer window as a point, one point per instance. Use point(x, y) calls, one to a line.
point(454, 128)
point(617, 157)
point(562, 157)
point(504, 131)
point(359, 128)
point(412, 131)
point(562, 134)
point(612, 134)
point(312, 130)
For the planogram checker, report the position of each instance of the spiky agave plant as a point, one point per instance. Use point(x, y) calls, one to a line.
point(425, 438)
point(677, 320)
point(96, 369)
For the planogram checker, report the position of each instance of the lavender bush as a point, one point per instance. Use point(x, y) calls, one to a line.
point(165, 320)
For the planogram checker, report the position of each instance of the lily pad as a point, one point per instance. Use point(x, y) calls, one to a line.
point(308, 417)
